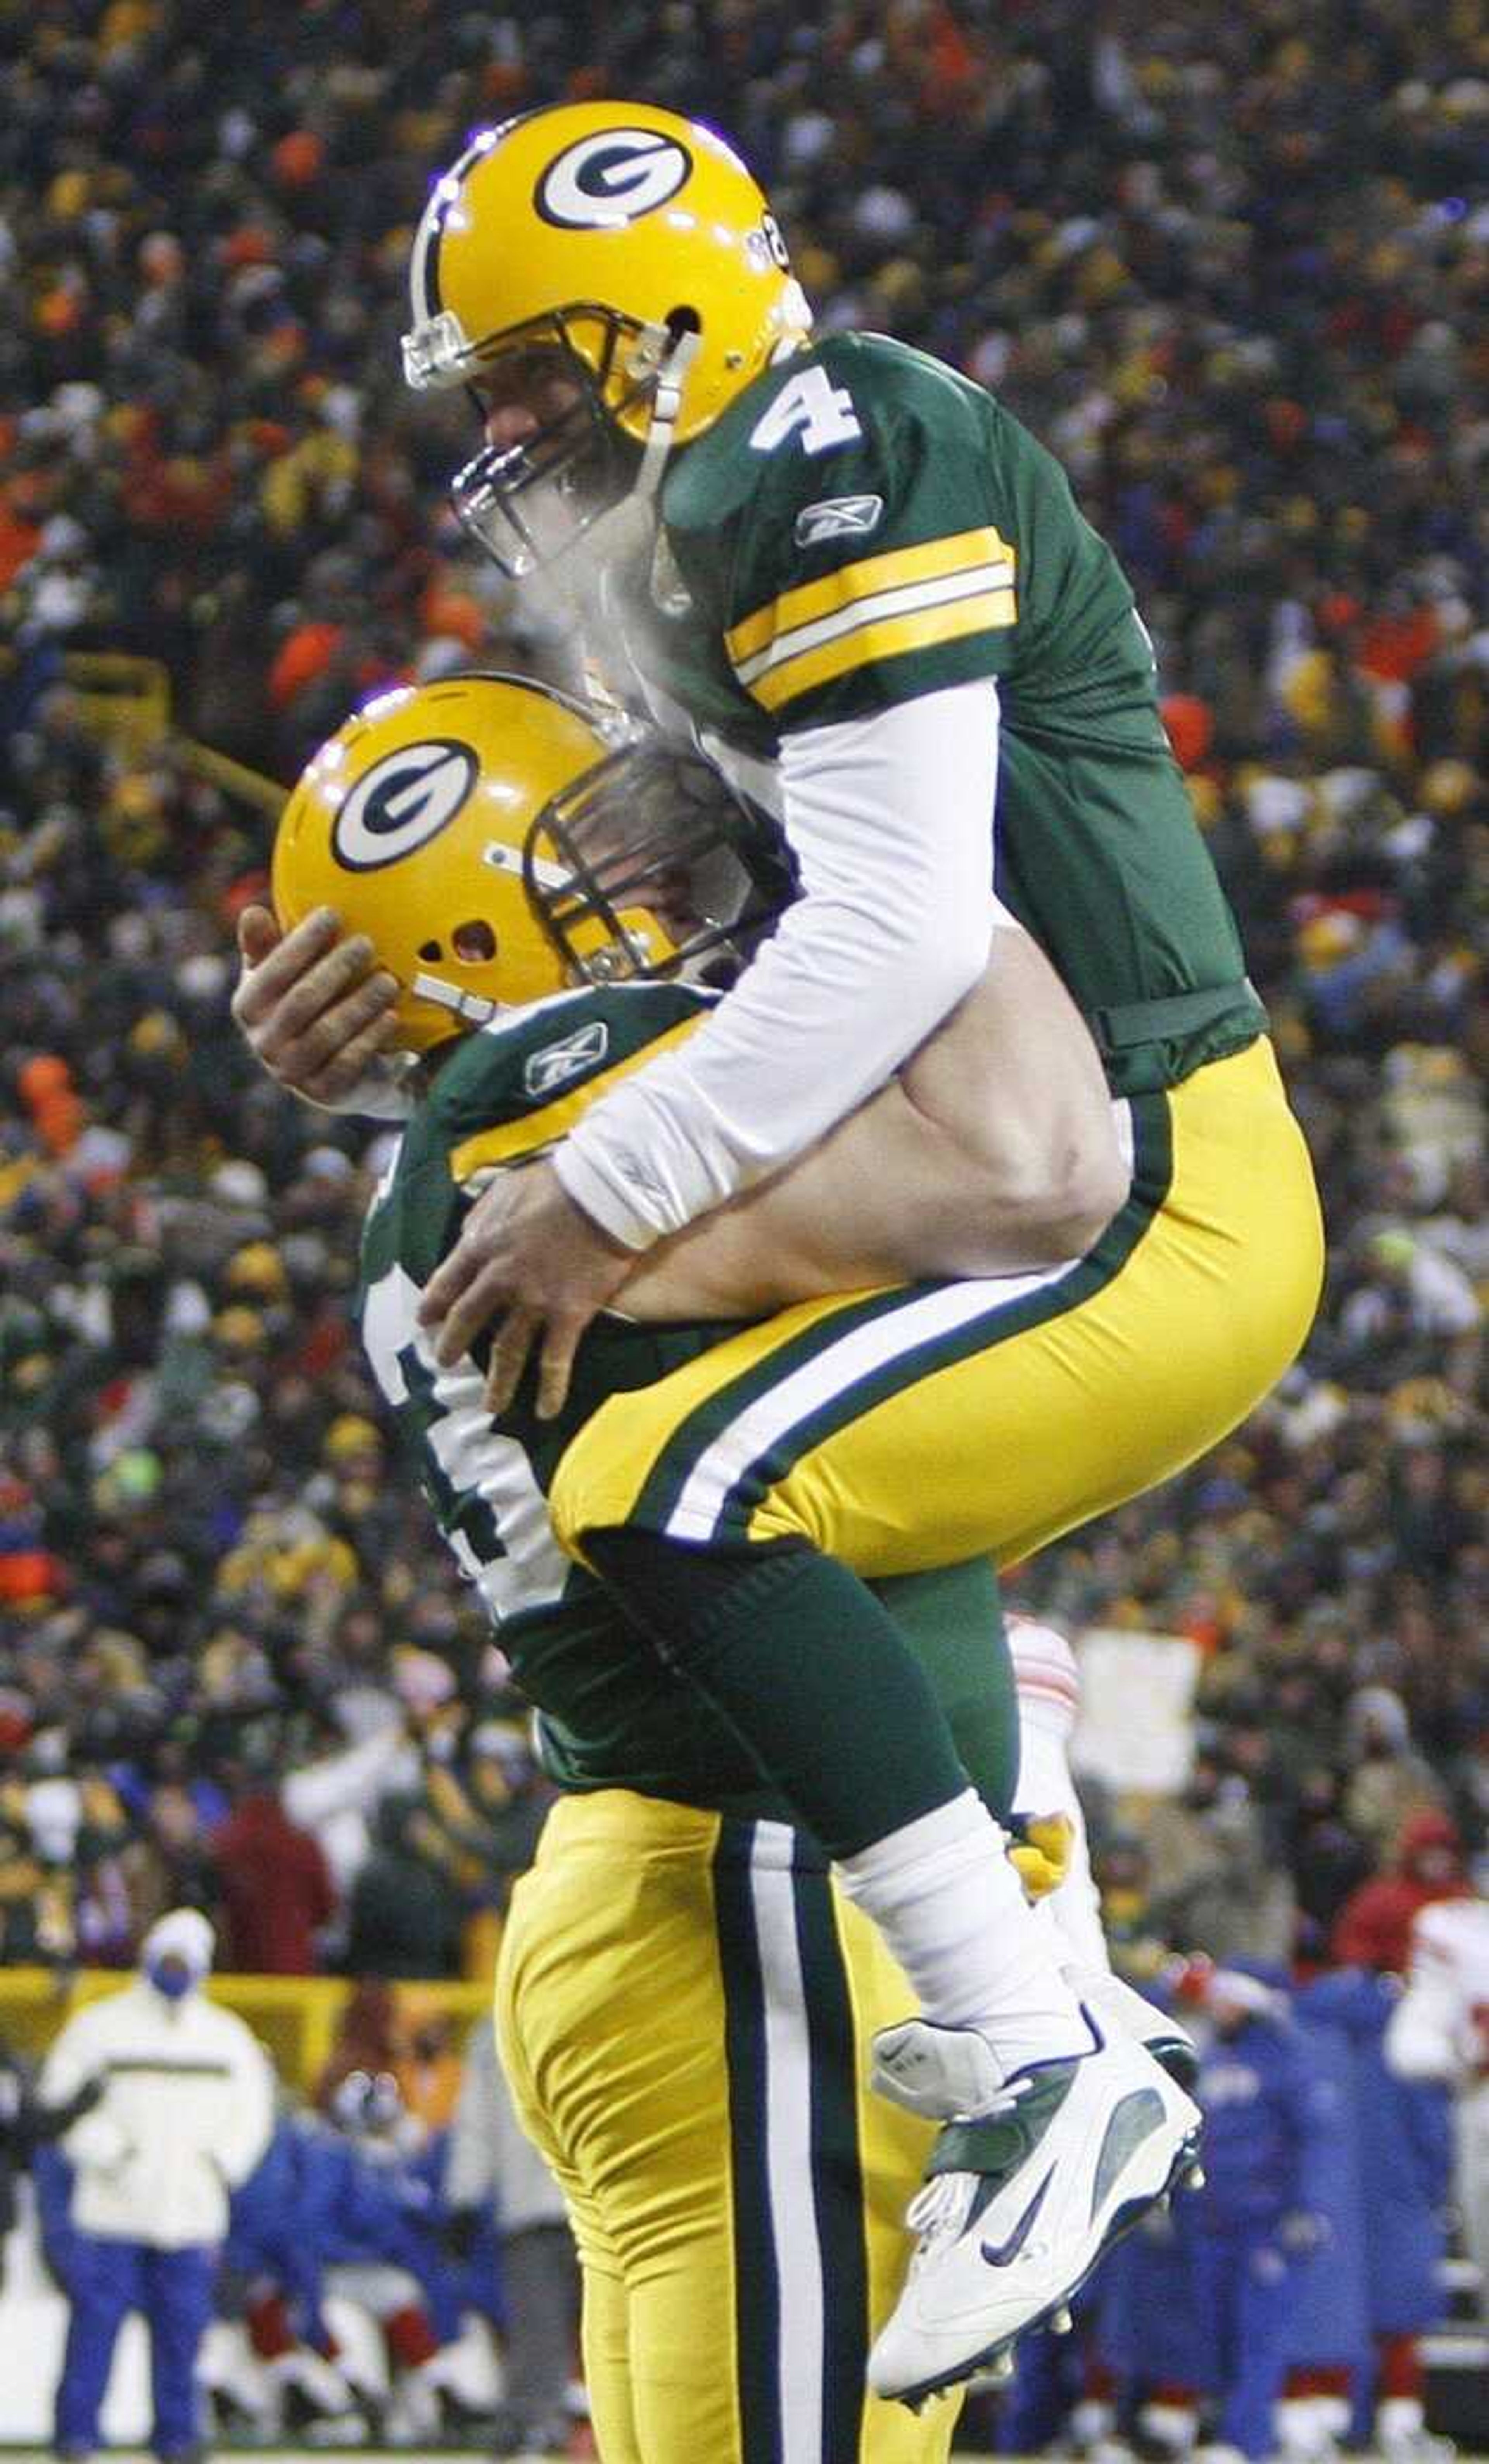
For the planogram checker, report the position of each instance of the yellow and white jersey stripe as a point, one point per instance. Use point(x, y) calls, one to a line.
point(904, 599)
point(530, 1132)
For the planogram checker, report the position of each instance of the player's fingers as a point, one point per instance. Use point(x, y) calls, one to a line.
point(446, 1285)
point(349, 1067)
point(510, 1347)
point(465, 1261)
point(320, 1001)
point(278, 967)
point(257, 934)
point(273, 1006)
point(481, 1301)
point(332, 1052)
point(323, 1044)
point(556, 1361)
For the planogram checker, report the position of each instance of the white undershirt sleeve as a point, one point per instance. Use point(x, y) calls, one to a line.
point(890, 819)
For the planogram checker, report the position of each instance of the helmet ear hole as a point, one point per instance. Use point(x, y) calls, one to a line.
point(682, 320)
point(473, 943)
point(432, 950)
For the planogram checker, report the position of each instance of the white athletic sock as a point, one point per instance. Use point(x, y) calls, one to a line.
point(952, 1910)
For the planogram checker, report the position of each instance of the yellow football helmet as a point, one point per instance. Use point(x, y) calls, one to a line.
point(627, 246)
point(497, 842)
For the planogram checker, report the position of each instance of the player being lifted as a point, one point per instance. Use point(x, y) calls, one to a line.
point(447, 823)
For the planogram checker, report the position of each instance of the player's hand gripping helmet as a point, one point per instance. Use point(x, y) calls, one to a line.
point(497, 842)
point(622, 248)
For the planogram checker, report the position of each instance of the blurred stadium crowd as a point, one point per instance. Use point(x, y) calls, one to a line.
point(1229, 265)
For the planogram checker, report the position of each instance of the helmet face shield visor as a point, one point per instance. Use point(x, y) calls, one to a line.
point(527, 500)
point(525, 505)
point(649, 864)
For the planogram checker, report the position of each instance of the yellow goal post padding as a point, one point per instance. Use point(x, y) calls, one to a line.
point(295, 2018)
point(125, 700)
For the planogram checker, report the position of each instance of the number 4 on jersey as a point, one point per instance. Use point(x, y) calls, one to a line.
point(812, 407)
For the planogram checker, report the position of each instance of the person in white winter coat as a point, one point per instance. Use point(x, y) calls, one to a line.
point(1439, 2030)
point(184, 2115)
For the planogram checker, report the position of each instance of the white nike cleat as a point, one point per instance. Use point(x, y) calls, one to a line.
point(1122, 2010)
point(1025, 2190)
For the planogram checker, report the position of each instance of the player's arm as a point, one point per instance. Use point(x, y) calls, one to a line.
point(890, 820)
point(993, 1152)
point(848, 551)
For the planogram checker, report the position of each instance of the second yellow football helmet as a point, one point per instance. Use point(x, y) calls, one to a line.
point(497, 844)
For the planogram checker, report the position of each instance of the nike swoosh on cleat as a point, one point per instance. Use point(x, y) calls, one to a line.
point(1001, 2253)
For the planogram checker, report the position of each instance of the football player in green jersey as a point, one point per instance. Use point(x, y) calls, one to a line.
point(417, 813)
point(865, 589)
point(869, 594)
point(868, 591)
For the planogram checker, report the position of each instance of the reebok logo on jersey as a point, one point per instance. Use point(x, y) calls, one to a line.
point(557, 1063)
point(838, 518)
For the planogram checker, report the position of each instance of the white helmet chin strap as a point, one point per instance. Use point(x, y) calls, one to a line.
point(666, 409)
point(627, 524)
point(472, 1006)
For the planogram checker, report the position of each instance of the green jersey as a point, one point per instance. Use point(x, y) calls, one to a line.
point(610, 1714)
point(862, 526)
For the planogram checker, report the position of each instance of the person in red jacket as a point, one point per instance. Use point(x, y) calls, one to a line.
point(1373, 1927)
point(277, 1888)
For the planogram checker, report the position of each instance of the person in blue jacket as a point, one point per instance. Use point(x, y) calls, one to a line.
point(1149, 2334)
point(347, 2196)
point(1402, 2134)
point(1273, 2121)
point(52, 2179)
point(1329, 2345)
point(319, 2201)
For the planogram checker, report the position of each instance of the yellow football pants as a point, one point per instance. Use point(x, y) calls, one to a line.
point(684, 2008)
point(915, 1427)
